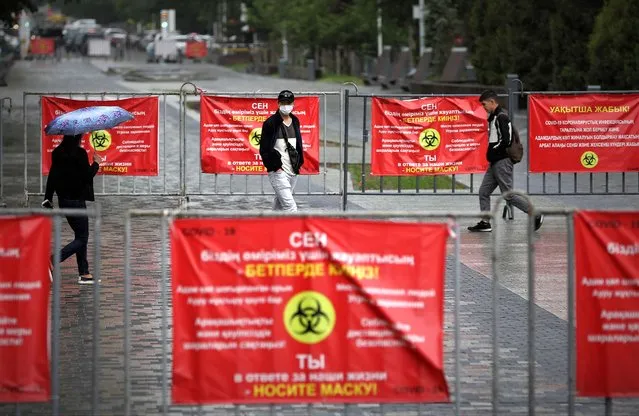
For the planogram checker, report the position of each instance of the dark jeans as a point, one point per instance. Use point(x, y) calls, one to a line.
point(80, 226)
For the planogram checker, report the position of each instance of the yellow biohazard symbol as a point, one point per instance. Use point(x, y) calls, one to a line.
point(100, 140)
point(255, 137)
point(429, 139)
point(589, 159)
point(309, 317)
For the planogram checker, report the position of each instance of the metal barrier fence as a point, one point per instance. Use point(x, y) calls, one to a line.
point(571, 279)
point(463, 184)
point(170, 160)
point(340, 153)
point(466, 184)
point(55, 318)
point(605, 183)
point(166, 216)
point(138, 379)
point(198, 183)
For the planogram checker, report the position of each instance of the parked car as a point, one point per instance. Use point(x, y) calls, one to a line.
point(115, 36)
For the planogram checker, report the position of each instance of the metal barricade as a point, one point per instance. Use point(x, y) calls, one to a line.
point(56, 407)
point(463, 184)
point(98, 48)
point(328, 182)
point(131, 376)
point(574, 184)
point(170, 160)
point(587, 405)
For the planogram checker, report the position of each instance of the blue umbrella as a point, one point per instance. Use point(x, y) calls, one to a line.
point(88, 119)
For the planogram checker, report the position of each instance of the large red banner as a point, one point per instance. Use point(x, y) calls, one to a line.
point(584, 133)
point(231, 129)
point(428, 136)
point(195, 49)
point(42, 46)
point(607, 273)
point(316, 310)
point(24, 299)
point(130, 149)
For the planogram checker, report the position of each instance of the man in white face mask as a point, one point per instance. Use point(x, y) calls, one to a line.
point(282, 151)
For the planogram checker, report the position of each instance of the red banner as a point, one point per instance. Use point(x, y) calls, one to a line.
point(584, 133)
point(130, 149)
point(318, 310)
point(24, 313)
point(428, 136)
point(607, 273)
point(195, 49)
point(231, 128)
point(42, 46)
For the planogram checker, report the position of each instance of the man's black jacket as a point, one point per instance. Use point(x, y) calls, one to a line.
point(503, 129)
point(71, 176)
point(270, 157)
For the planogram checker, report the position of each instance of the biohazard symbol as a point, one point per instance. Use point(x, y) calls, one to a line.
point(255, 137)
point(429, 139)
point(309, 317)
point(100, 140)
point(589, 159)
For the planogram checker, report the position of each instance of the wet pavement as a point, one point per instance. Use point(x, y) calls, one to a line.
point(146, 373)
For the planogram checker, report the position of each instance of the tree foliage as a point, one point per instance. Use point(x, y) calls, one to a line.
point(442, 26)
point(614, 46)
point(559, 44)
point(512, 36)
point(570, 29)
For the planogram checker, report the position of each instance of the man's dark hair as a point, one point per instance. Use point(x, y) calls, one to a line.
point(488, 95)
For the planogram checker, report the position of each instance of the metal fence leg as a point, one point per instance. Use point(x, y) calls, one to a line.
point(165, 381)
point(531, 316)
point(608, 405)
point(55, 338)
point(571, 315)
point(96, 312)
point(345, 162)
point(127, 315)
point(457, 319)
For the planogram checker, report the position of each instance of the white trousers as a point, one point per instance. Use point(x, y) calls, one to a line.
point(283, 185)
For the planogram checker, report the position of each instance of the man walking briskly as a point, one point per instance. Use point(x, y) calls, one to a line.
point(282, 151)
point(500, 169)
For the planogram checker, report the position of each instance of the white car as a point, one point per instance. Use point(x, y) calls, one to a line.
point(115, 35)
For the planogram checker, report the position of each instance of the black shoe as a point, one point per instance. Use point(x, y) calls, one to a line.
point(86, 279)
point(539, 219)
point(481, 226)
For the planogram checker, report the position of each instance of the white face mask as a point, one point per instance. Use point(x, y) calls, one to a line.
point(286, 109)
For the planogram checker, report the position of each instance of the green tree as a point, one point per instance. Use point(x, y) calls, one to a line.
point(614, 46)
point(512, 37)
point(442, 25)
point(570, 29)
